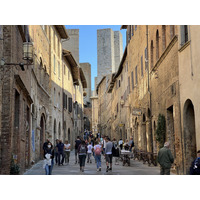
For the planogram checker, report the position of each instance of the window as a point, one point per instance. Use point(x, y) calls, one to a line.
point(135, 27)
point(54, 96)
point(172, 31)
point(141, 65)
point(70, 104)
point(132, 27)
point(132, 80)
point(58, 70)
point(184, 34)
point(64, 100)
point(151, 53)
point(64, 69)
point(54, 40)
point(58, 48)
point(17, 109)
point(157, 45)
point(54, 64)
point(129, 88)
point(146, 58)
point(136, 79)
point(164, 37)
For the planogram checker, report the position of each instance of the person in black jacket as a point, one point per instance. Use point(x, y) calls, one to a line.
point(49, 158)
point(195, 166)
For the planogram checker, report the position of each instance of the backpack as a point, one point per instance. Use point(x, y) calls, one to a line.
point(82, 149)
point(98, 151)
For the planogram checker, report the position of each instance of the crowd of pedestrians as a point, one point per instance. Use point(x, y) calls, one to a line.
point(99, 147)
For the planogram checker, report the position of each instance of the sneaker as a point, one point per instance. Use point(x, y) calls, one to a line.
point(99, 168)
point(110, 168)
point(107, 169)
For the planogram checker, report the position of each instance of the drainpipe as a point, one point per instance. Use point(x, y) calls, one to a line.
point(150, 103)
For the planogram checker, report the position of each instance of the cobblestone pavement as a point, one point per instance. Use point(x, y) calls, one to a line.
point(136, 168)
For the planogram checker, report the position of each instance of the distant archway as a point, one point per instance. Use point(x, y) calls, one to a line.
point(189, 133)
point(42, 135)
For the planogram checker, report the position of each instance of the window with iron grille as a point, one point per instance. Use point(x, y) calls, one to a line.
point(70, 104)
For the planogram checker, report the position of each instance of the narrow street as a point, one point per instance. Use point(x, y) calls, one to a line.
point(136, 168)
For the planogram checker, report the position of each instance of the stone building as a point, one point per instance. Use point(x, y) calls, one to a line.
point(86, 67)
point(189, 83)
point(151, 80)
point(104, 106)
point(109, 52)
point(94, 120)
point(72, 44)
point(15, 99)
point(118, 87)
point(70, 80)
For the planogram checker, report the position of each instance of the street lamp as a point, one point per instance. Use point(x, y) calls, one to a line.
point(27, 55)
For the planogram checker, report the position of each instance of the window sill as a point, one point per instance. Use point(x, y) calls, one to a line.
point(184, 46)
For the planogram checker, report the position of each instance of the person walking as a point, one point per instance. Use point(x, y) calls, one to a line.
point(89, 153)
point(131, 144)
point(49, 158)
point(45, 145)
point(67, 147)
point(108, 154)
point(77, 143)
point(195, 166)
point(82, 152)
point(97, 153)
point(115, 151)
point(165, 159)
point(120, 144)
point(60, 147)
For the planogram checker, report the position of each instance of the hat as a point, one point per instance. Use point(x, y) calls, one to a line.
point(198, 151)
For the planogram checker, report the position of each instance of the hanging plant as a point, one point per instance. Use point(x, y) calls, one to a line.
point(161, 130)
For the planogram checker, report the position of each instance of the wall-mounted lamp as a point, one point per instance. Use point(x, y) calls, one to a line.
point(27, 55)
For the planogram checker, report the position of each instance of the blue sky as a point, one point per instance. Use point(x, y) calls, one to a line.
point(88, 44)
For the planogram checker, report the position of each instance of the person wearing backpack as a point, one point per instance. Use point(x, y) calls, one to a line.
point(97, 153)
point(195, 166)
point(82, 152)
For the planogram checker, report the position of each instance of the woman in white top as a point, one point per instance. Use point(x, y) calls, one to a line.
point(89, 153)
point(67, 147)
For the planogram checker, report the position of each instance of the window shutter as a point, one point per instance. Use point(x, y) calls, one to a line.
point(70, 104)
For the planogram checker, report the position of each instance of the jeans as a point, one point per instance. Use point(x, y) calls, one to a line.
point(98, 159)
point(89, 157)
point(67, 155)
point(56, 157)
point(76, 154)
point(48, 169)
point(63, 156)
point(82, 160)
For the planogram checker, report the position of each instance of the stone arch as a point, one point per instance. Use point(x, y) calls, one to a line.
point(42, 134)
point(144, 137)
point(54, 130)
point(189, 133)
point(136, 132)
point(164, 37)
point(69, 135)
point(59, 131)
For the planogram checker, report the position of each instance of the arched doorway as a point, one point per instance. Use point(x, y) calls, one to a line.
point(144, 137)
point(189, 133)
point(42, 135)
point(69, 137)
point(136, 133)
point(54, 131)
point(59, 131)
